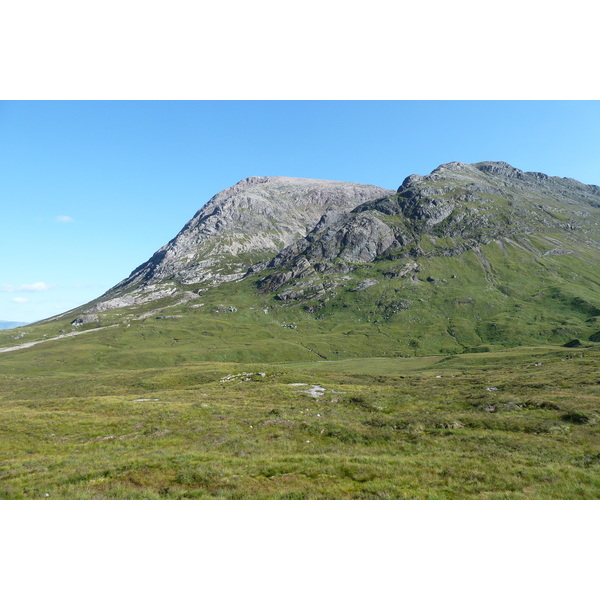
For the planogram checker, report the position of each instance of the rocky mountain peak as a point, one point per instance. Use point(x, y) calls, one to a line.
point(457, 207)
point(498, 168)
point(243, 225)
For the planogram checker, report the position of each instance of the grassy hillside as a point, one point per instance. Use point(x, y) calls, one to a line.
point(498, 296)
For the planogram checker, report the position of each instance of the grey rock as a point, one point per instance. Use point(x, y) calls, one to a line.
point(238, 229)
point(364, 284)
point(556, 252)
point(499, 168)
point(402, 270)
point(84, 320)
point(223, 308)
point(257, 216)
point(354, 238)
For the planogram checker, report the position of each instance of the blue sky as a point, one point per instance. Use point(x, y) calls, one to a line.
point(89, 190)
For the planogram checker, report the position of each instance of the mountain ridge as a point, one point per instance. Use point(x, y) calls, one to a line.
point(238, 227)
point(476, 204)
point(467, 258)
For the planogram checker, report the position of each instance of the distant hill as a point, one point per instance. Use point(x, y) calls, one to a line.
point(472, 257)
point(10, 324)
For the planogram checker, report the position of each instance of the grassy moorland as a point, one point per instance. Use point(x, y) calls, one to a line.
point(520, 423)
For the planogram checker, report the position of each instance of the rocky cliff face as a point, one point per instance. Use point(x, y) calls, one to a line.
point(239, 227)
point(256, 217)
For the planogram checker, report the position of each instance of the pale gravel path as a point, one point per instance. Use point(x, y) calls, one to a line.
point(60, 337)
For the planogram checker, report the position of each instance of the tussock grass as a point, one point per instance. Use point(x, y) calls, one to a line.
point(388, 428)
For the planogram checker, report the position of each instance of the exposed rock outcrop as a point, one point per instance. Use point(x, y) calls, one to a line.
point(256, 217)
point(458, 207)
point(239, 227)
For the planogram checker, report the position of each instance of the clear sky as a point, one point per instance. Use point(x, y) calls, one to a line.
point(89, 190)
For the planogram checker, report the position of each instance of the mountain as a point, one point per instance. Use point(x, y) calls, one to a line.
point(240, 226)
point(456, 209)
point(11, 324)
point(472, 257)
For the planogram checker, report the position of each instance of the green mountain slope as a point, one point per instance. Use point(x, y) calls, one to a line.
point(469, 258)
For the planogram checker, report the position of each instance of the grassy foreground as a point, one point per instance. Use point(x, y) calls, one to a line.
point(516, 424)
